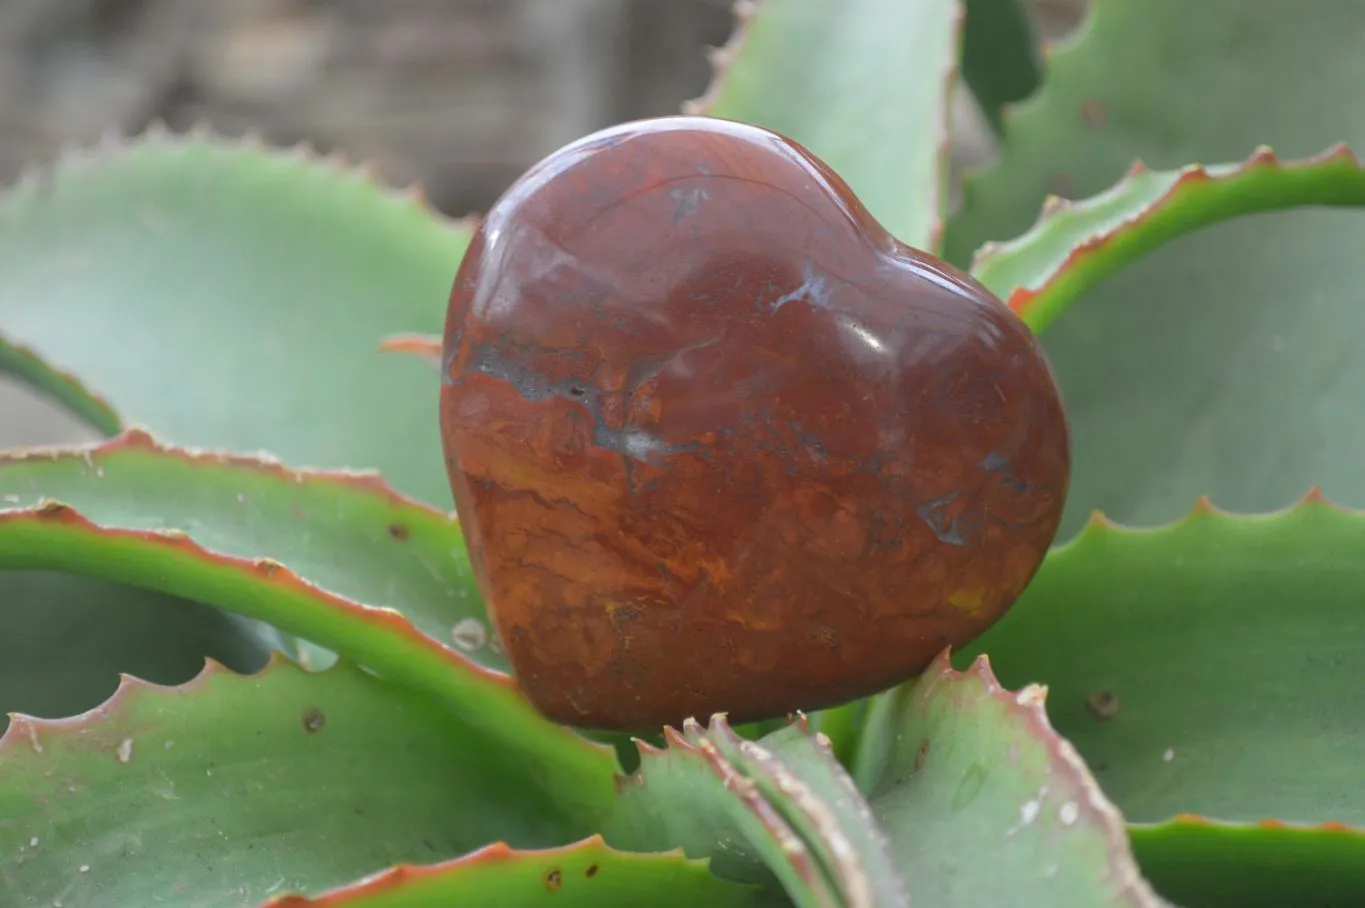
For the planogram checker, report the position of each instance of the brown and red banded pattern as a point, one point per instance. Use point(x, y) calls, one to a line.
point(721, 443)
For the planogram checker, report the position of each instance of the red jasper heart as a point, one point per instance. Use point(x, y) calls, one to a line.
point(720, 443)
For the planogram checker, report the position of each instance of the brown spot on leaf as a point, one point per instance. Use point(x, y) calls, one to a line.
point(54, 510)
point(554, 879)
point(313, 720)
point(591, 871)
point(921, 754)
point(266, 567)
point(1094, 113)
point(1103, 704)
point(399, 532)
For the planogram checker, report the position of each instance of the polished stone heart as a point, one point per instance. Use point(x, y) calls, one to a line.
point(721, 443)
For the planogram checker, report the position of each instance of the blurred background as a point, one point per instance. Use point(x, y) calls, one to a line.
point(459, 95)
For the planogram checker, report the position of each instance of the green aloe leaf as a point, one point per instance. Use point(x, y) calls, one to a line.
point(1255, 397)
point(1075, 245)
point(345, 532)
point(64, 640)
point(999, 55)
point(1201, 864)
point(60, 387)
point(985, 804)
point(798, 827)
point(248, 290)
point(864, 84)
point(230, 788)
point(356, 557)
point(587, 874)
point(798, 774)
point(1210, 666)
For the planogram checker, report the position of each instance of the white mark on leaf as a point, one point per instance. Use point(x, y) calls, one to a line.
point(125, 750)
point(1028, 811)
point(469, 634)
point(1069, 813)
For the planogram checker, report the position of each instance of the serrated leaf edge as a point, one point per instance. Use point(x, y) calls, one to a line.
point(1010, 112)
point(1194, 819)
point(721, 58)
point(1022, 300)
point(263, 570)
point(1035, 51)
point(494, 853)
point(849, 867)
point(139, 439)
point(266, 573)
point(1030, 705)
point(1205, 509)
point(113, 142)
point(34, 733)
point(797, 855)
point(26, 730)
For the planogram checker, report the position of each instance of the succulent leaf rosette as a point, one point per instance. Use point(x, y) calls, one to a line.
point(769, 531)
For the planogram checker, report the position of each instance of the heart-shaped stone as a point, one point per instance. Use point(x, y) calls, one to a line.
point(721, 443)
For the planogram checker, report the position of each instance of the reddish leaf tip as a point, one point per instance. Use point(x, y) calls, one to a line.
point(1098, 520)
point(673, 738)
point(427, 347)
point(1264, 155)
point(1315, 497)
point(1204, 505)
point(1340, 152)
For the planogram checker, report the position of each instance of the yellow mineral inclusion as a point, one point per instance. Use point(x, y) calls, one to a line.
point(970, 600)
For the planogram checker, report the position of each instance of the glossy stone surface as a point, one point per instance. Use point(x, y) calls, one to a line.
point(719, 443)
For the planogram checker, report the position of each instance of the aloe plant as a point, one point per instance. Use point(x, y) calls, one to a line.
point(1168, 715)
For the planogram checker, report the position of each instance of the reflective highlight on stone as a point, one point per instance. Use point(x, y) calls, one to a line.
point(720, 443)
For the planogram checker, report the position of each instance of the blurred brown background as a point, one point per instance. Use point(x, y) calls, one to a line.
point(461, 95)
